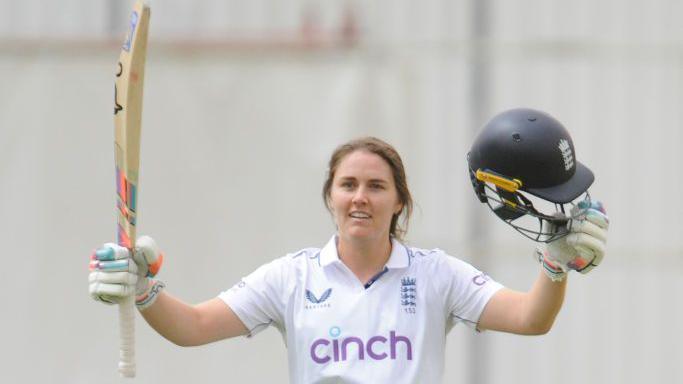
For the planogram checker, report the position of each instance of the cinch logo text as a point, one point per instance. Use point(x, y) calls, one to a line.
point(376, 348)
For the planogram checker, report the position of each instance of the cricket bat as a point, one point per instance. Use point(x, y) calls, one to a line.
point(130, 74)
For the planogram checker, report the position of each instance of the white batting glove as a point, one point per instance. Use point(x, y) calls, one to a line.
point(583, 248)
point(113, 276)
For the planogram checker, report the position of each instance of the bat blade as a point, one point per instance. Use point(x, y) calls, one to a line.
point(130, 73)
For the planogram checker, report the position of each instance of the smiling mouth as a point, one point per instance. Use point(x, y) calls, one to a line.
point(359, 215)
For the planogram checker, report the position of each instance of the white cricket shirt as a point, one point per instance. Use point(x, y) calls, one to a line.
point(339, 330)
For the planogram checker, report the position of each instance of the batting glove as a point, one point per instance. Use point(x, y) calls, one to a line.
point(583, 248)
point(115, 275)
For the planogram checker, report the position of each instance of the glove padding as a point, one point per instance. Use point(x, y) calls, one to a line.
point(583, 248)
point(113, 276)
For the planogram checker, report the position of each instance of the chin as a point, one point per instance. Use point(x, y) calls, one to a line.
point(360, 234)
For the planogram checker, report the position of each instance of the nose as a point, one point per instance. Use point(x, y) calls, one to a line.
point(359, 197)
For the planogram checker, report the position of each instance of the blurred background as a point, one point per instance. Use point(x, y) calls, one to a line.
point(244, 102)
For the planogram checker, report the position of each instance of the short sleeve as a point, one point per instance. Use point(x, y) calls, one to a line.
point(259, 298)
point(468, 290)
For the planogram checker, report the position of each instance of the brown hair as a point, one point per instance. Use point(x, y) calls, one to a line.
point(391, 156)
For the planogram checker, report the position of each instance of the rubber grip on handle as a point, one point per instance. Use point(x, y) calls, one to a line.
point(127, 332)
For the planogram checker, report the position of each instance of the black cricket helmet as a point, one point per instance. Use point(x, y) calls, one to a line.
point(523, 155)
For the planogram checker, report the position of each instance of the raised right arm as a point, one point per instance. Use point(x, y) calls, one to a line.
point(191, 325)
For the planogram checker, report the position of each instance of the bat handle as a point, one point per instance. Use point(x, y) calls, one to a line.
point(127, 329)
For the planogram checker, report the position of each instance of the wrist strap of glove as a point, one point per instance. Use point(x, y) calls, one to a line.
point(150, 295)
point(552, 270)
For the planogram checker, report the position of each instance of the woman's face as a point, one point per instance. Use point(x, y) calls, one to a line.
point(363, 197)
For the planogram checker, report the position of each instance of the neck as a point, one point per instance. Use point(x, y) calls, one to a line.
point(364, 258)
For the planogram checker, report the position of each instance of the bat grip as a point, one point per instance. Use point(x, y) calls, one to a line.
point(127, 332)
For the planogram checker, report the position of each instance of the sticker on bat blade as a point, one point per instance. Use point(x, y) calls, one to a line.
point(122, 238)
point(126, 213)
point(117, 107)
point(131, 33)
point(127, 193)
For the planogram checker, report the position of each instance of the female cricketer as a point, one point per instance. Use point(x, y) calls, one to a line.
point(368, 308)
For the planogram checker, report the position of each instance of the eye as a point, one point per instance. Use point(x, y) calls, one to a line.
point(377, 186)
point(346, 184)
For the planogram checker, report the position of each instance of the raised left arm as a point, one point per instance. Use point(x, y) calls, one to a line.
point(524, 313)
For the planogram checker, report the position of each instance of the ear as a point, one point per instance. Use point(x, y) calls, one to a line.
point(399, 208)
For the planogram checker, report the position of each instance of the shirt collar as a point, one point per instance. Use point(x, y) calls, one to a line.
point(399, 257)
